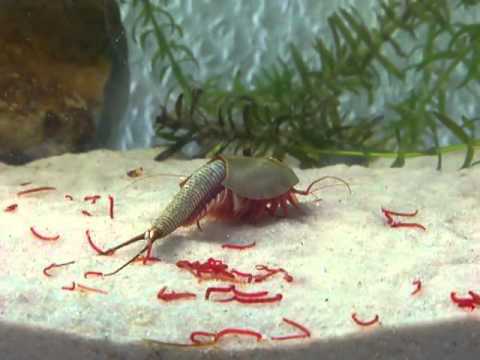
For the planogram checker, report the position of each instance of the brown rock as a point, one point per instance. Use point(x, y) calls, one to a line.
point(55, 62)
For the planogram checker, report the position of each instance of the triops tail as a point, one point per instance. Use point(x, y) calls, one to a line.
point(150, 236)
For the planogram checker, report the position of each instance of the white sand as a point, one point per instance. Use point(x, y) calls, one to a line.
point(342, 255)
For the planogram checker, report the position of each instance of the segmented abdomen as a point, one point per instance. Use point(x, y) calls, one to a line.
point(190, 201)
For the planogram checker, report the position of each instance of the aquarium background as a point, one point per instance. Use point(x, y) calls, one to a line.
point(318, 81)
point(419, 94)
point(225, 37)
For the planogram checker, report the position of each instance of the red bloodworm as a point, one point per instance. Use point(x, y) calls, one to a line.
point(254, 300)
point(475, 297)
point(145, 259)
point(110, 206)
point(409, 225)
point(243, 274)
point(95, 247)
point(87, 288)
point(260, 278)
point(243, 297)
point(69, 288)
point(364, 323)
point(184, 264)
point(148, 256)
point(394, 224)
point(237, 331)
point(252, 294)
point(34, 190)
point(69, 197)
point(11, 208)
point(462, 302)
point(92, 198)
point(89, 274)
point(270, 272)
point(162, 295)
point(195, 334)
point(53, 265)
point(218, 289)
point(387, 215)
point(305, 332)
point(238, 246)
point(82, 288)
point(389, 212)
point(86, 213)
point(43, 237)
point(418, 285)
point(224, 276)
point(216, 269)
point(399, 224)
point(211, 269)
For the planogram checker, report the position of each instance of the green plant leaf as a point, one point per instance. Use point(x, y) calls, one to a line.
point(301, 66)
point(297, 108)
point(337, 25)
point(460, 134)
point(391, 67)
point(326, 57)
point(217, 149)
point(144, 38)
point(171, 21)
point(187, 51)
point(356, 23)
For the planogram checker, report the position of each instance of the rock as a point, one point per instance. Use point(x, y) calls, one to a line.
point(56, 62)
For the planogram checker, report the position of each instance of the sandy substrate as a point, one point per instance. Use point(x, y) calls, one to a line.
point(341, 253)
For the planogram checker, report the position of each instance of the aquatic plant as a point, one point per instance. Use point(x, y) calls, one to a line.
point(294, 107)
point(155, 22)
